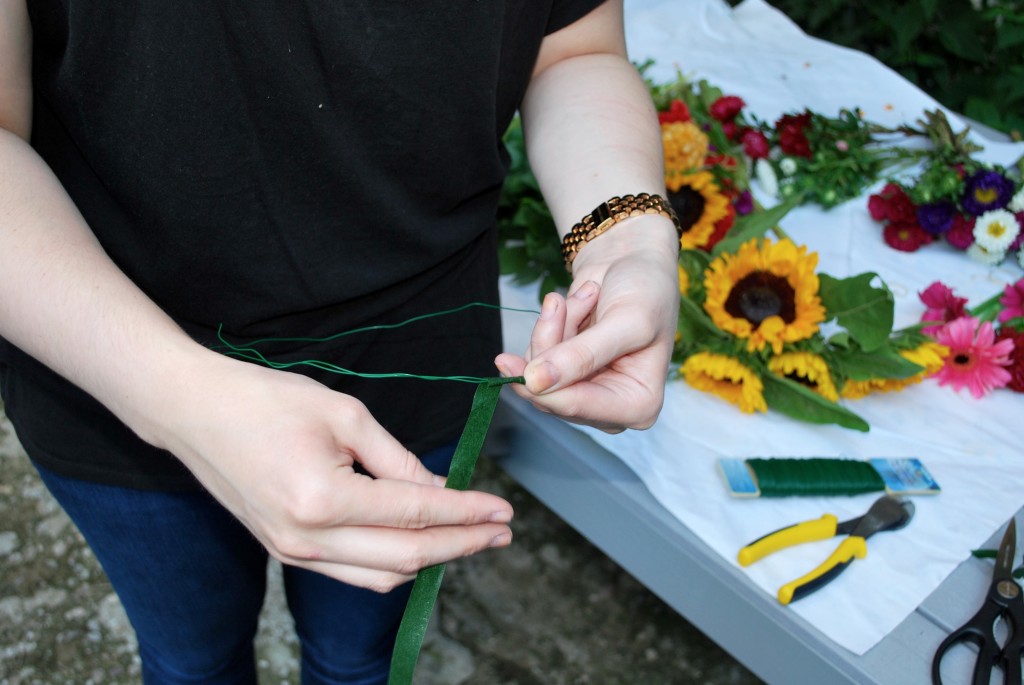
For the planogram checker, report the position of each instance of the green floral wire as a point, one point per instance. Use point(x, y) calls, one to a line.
point(250, 353)
point(414, 623)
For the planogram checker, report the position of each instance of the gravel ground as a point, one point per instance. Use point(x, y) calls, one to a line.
point(550, 610)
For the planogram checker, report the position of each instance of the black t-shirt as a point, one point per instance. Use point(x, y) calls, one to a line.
point(285, 169)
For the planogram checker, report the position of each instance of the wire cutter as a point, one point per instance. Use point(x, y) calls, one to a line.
point(1005, 603)
point(887, 513)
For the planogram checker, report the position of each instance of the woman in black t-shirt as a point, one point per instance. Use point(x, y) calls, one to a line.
point(297, 169)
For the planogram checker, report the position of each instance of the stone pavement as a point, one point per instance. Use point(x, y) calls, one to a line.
point(550, 610)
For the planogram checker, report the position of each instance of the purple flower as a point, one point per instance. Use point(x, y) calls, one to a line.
point(936, 217)
point(985, 191)
point(744, 204)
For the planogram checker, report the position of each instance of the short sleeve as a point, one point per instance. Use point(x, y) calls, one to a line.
point(565, 12)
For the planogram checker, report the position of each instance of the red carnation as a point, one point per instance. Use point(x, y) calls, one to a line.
point(726, 108)
point(718, 159)
point(905, 236)
point(792, 138)
point(892, 204)
point(961, 233)
point(677, 111)
point(755, 144)
point(731, 130)
point(1016, 367)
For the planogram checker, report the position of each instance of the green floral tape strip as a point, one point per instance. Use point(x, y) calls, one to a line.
point(428, 581)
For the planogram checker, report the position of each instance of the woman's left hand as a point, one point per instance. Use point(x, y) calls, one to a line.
point(600, 355)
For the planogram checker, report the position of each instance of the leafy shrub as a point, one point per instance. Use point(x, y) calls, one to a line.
point(967, 54)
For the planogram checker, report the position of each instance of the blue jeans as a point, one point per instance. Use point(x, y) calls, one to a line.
point(192, 579)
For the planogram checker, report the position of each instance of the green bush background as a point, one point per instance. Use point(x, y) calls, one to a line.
point(967, 54)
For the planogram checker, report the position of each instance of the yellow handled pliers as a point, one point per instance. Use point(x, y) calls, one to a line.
point(887, 513)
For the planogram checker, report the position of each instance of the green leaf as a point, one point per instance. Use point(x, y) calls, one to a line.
point(695, 263)
point(862, 366)
point(962, 39)
point(984, 111)
point(866, 312)
point(907, 22)
point(755, 225)
point(691, 312)
point(512, 259)
point(1009, 35)
point(551, 283)
point(792, 399)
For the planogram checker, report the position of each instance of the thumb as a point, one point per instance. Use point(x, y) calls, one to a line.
point(384, 457)
point(615, 335)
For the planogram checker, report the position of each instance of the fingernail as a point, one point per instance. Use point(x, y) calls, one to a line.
point(548, 376)
point(500, 517)
point(586, 291)
point(550, 307)
point(502, 370)
point(503, 540)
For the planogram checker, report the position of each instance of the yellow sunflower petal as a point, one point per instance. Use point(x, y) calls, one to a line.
point(684, 280)
point(808, 368)
point(727, 378)
point(715, 207)
point(780, 279)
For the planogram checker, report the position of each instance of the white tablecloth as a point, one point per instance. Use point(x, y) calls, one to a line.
point(971, 447)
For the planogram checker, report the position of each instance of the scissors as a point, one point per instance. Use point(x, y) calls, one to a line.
point(887, 513)
point(1004, 602)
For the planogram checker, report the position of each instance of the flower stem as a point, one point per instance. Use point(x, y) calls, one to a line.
point(987, 310)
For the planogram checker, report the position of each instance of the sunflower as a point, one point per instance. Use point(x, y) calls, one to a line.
point(767, 294)
point(699, 204)
point(930, 356)
point(684, 280)
point(685, 147)
point(726, 377)
point(806, 368)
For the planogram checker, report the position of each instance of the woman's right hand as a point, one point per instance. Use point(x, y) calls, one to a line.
point(279, 451)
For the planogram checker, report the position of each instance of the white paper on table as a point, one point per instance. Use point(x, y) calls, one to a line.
point(971, 447)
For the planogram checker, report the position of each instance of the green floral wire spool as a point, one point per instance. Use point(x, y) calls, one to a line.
point(814, 477)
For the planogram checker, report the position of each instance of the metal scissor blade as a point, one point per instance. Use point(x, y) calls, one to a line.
point(1007, 549)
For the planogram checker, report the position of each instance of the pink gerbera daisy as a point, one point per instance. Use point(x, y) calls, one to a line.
point(1012, 301)
point(975, 359)
point(942, 306)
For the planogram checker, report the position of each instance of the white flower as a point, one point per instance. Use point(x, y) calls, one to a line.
point(996, 230)
point(980, 254)
point(787, 165)
point(1020, 257)
point(766, 176)
point(1017, 201)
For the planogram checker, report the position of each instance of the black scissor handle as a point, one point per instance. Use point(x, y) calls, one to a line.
point(978, 631)
point(1011, 662)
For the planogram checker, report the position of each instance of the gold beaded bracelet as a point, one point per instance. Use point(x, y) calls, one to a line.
point(609, 213)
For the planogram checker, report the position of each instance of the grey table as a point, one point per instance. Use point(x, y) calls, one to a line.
point(592, 490)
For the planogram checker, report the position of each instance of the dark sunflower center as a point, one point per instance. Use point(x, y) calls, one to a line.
point(689, 206)
point(802, 380)
point(759, 295)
